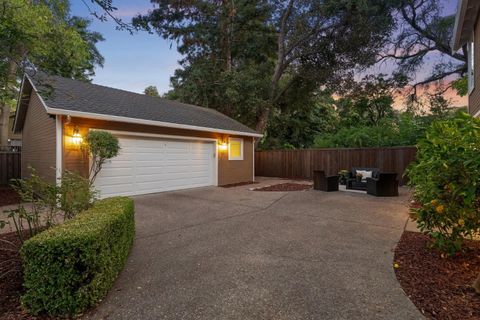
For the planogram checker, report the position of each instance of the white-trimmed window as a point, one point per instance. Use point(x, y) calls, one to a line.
point(235, 149)
point(471, 64)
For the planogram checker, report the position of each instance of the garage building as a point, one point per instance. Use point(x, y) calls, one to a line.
point(165, 145)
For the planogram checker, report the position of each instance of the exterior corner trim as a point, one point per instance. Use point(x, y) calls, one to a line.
point(58, 148)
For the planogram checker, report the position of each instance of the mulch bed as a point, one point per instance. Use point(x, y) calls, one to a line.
point(239, 184)
point(441, 288)
point(286, 187)
point(8, 196)
point(11, 284)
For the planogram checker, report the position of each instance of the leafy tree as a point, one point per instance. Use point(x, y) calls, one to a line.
point(461, 86)
point(373, 100)
point(423, 32)
point(41, 34)
point(151, 91)
point(439, 106)
point(296, 126)
point(270, 45)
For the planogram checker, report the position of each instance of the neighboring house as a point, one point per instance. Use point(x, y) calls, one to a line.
point(466, 36)
point(165, 145)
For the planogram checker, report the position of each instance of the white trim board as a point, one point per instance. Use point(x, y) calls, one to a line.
point(58, 149)
point(154, 135)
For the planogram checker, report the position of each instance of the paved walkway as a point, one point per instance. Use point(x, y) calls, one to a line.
point(215, 253)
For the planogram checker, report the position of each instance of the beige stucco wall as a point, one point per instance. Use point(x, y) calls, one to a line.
point(38, 141)
point(229, 171)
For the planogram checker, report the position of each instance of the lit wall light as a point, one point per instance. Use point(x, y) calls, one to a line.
point(222, 145)
point(77, 137)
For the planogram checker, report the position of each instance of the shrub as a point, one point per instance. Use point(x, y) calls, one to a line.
point(446, 179)
point(74, 194)
point(69, 267)
point(42, 203)
point(101, 145)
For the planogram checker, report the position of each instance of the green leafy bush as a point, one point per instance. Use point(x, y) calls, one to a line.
point(74, 194)
point(102, 145)
point(69, 267)
point(43, 204)
point(446, 179)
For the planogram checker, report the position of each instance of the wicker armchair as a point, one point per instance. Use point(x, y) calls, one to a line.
point(386, 185)
point(324, 183)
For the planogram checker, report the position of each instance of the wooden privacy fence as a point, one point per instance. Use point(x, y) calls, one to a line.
point(301, 163)
point(10, 166)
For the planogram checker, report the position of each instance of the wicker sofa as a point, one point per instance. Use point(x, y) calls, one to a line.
point(352, 182)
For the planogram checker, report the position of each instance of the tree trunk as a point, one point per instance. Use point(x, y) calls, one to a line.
point(226, 24)
point(5, 108)
point(4, 124)
point(280, 66)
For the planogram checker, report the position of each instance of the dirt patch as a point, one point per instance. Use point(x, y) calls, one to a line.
point(239, 184)
point(11, 284)
point(286, 187)
point(8, 196)
point(441, 288)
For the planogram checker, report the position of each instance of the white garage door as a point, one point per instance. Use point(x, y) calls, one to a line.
point(147, 165)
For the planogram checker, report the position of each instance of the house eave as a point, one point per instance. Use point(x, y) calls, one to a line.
point(98, 116)
point(466, 16)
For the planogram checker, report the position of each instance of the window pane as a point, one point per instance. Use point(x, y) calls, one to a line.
point(235, 149)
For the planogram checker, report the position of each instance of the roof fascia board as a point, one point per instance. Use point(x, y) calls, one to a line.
point(38, 94)
point(98, 116)
point(19, 101)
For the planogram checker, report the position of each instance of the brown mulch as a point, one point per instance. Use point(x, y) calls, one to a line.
point(239, 184)
point(441, 288)
point(8, 196)
point(11, 284)
point(286, 187)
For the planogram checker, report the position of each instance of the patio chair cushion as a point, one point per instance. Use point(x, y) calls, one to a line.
point(365, 174)
point(375, 171)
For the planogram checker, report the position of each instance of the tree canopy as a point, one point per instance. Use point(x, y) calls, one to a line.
point(243, 57)
point(151, 91)
point(42, 34)
point(424, 33)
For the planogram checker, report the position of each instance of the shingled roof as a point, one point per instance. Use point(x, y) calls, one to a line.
point(82, 99)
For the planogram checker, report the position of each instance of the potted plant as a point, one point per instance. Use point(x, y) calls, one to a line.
point(359, 177)
point(343, 176)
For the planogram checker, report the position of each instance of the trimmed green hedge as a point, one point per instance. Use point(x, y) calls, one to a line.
point(70, 267)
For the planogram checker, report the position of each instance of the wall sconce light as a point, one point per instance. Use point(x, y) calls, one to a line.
point(222, 145)
point(77, 137)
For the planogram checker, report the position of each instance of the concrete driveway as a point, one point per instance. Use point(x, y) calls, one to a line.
point(215, 253)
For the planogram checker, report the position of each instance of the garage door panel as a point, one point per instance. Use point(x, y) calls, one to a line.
point(149, 157)
point(117, 172)
point(147, 165)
